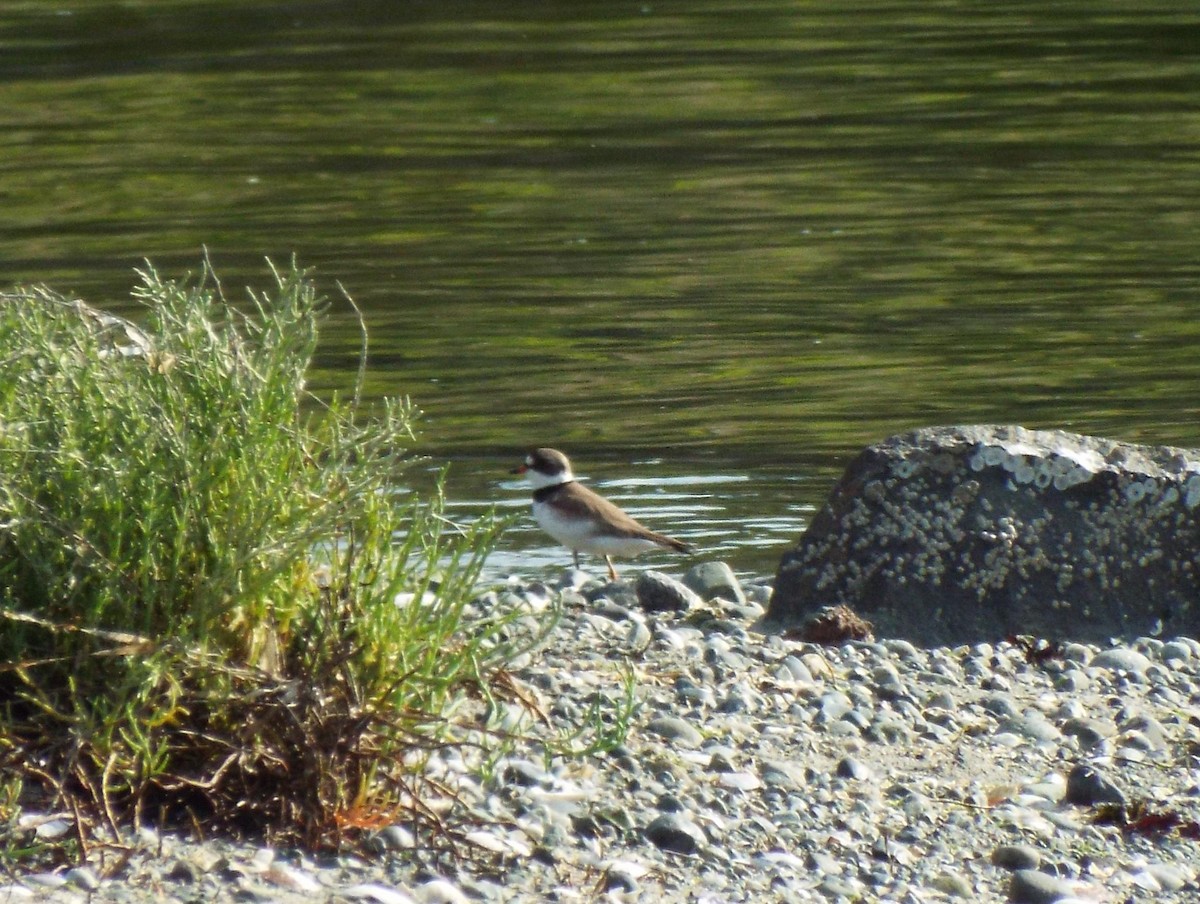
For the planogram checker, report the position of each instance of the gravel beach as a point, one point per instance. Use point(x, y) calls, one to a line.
point(760, 768)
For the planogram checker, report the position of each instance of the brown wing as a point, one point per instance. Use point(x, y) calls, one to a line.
point(576, 499)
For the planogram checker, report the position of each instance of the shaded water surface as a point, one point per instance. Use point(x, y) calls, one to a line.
point(708, 248)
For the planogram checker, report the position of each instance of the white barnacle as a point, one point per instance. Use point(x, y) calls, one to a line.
point(1170, 496)
point(994, 455)
point(905, 468)
point(944, 463)
point(1022, 471)
point(1192, 499)
point(1135, 492)
point(976, 462)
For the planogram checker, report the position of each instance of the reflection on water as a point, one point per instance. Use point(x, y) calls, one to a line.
point(682, 240)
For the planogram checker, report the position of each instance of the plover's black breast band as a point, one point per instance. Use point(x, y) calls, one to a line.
point(544, 494)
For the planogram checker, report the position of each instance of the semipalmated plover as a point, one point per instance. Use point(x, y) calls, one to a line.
point(581, 520)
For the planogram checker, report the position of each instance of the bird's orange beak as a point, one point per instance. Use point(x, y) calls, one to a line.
point(520, 469)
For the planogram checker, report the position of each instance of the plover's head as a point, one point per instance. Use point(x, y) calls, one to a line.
point(545, 468)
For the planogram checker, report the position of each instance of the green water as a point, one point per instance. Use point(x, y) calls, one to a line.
point(708, 248)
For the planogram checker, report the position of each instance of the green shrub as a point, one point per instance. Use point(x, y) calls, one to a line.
point(215, 604)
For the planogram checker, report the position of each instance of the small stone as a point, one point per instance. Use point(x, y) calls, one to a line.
point(999, 683)
point(887, 729)
point(792, 669)
point(676, 730)
point(888, 684)
point(183, 873)
point(1016, 856)
point(656, 592)
point(1032, 725)
point(835, 888)
point(734, 702)
point(824, 863)
point(1135, 744)
point(1052, 787)
point(1001, 705)
point(721, 760)
point(619, 881)
point(1150, 729)
point(606, 608)
point(1145, 881)
point(1028, 886)
point(619, 593)
point(1088, 732)
point(286, 876)
point(440, 891)
point(398, 838)
point(83, 877)
point(669, 803)
point(1168, 876)
point(248, 890)
point(638, 637)
point(45, 880)
point(943, 700)
point(1121, 659)
point(1175, 650)
point(675, 832)
point(953, 884)
point(784, 776)
point(52, 829)
point(712, 580)
point(622, 876)
point(691, 693)
point(833, 706)
point(1079, 653)
point(1086, 787)
point(573, 579)
point(739, 781)
point(380, 894)
point(524, 773)
point(851, 768)
point(902, 648)
point(818, 666)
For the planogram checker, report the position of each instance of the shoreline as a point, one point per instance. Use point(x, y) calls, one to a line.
point(759, 768)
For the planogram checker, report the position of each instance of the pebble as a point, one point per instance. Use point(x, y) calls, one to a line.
point(1087, 786)
point(1016, 856)
point(852, 769)
point(1089, 732)
point(82, 877)
point(440, 891)
point(369, 891)
point(675, 832)
point(757, 768)
point(714, 580)
point(679, 731)
point(657, 592)
point(1121, 659)
point(1028, 886)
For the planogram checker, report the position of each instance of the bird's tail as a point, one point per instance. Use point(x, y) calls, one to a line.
point(672, 543)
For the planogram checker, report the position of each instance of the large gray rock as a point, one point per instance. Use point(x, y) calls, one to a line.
point(953, 534)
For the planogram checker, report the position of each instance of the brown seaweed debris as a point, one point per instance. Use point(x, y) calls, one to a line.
point(1138, 818)
point(1036, 651)
point(833, 625)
